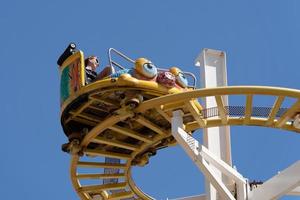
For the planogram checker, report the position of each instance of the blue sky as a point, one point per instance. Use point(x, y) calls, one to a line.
point(261, 39)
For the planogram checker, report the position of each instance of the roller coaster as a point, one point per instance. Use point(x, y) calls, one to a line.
point(123, 119)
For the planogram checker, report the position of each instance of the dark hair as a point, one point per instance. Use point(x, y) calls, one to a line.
point(86, 61)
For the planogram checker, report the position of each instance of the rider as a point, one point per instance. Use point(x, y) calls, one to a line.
point(91, 63)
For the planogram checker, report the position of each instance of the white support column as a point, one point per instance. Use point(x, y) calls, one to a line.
point(217, 139)
point(281, 184)
point(295, 191)
point(200, 155)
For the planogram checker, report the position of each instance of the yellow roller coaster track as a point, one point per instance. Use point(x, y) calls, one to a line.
point(93, 158)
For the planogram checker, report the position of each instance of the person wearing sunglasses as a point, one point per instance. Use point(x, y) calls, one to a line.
point(91, 64)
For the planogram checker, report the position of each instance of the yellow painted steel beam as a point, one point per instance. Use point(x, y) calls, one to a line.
point(221, 109)
point(79, 110)
point(138, 192)
point(110, 102)
point(100, 176)
point(100, 94)
point(121, 195)
point(237, 121)
point(96, 152)
point(97, 188)
point(101, 165)
point(85, 116)
point(108, 122)
point(274, 110)
point(229, 90)
point(196, 113)
point(164, 114)
point(130, 133)
point(104, 195)
point(102, 140)
point(142, 120)
point(84, 121)
point(86, 195)
point(291, 112)
point(73, 175)
point(97, 108)
point(174, 105)
point(135, 188)
point(248, 109)
point(187, 114)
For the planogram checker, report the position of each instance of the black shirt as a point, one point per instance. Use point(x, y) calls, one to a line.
point(90, 76)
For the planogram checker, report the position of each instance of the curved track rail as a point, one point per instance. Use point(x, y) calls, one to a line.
point(89, 185)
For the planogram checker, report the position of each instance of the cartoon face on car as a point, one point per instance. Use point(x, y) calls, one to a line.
point(145, 68)
point(181, 80)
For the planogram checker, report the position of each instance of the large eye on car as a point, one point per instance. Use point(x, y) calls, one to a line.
point(149, 70)
point(182, 80)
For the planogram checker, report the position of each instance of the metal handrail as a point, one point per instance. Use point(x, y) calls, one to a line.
point(113, 63)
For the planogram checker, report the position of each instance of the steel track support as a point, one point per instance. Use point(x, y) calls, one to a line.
point(213, 73)
point(285, 182)
point(201, 156)
point(295, 192)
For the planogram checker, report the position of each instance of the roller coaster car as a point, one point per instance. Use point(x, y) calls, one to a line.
point(85, 106)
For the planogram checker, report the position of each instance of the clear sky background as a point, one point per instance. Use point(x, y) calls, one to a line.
point(261, 39)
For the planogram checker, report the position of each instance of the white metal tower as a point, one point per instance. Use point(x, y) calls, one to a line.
point(213, 158)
